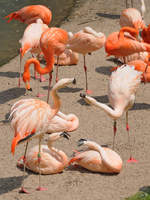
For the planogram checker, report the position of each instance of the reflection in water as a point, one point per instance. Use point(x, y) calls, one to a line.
point(11, 32)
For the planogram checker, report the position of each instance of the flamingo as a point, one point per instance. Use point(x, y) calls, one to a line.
point(31, 40)
point(131, 17)
point(29, 14)
point(122, 87)
point(97, 159)
point(52, 160)
point(52, 42)
point(68, 57)
point(86, 41)
point(32, 118)
point(145, 34)
point(121, 45)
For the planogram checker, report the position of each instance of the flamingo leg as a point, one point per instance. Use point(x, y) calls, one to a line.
point(19, 81)
point(115, 130)
point(49, 85)
point(131, 159)
point(23, 190)
point(57, 66)
point(86, 79)
point(39, 188)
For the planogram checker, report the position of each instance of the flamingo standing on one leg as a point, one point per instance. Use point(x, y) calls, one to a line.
point(31, 40)
point(97, 159)
point(29, 14)
point(52, 42)
point(121, 45)
point(86, 41)
point(123, 85)
point(32, 118)
point(52, 160)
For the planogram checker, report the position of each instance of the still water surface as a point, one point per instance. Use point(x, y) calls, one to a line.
point(10, 33)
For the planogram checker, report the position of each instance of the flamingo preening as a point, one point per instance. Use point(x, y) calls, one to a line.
point(32, 118)
point(122, 87)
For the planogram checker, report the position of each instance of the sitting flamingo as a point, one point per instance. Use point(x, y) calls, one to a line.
point(97, 158)
point(52, 160)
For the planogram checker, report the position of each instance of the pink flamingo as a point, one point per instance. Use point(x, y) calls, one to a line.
point(31, 40)
point(97, 159)
point(86, 41)
point(52, 160)
point(123, 85)
point(29, 14)
point(52, 42)
point(131, 17)
point(68, 57)
point(32, 118)
point(121, 45)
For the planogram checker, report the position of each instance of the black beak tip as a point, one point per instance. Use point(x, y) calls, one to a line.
point(82, 95)
point(74, 81)
point(30, 89)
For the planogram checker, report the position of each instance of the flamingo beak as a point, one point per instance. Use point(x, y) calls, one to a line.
point(28, 86)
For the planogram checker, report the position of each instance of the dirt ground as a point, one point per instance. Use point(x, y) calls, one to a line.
point(77, 183)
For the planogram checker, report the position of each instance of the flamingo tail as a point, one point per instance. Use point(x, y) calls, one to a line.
point(15, 142)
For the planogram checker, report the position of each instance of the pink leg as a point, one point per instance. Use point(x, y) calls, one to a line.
point(85, 70)
point(39, 188)
point(131, 159)
point(19, 81)
point(49, 85)
point(115, 130)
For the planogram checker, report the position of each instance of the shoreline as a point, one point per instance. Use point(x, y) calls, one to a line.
point(77, 183)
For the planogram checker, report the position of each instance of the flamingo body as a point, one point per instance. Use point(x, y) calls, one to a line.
point(29, 14)
point(119, 44)
point(98, 159)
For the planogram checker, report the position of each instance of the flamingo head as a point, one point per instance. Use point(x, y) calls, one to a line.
point(81, 142)
point(65, 135)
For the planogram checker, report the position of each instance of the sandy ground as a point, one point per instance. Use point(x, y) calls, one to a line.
point(75, 183)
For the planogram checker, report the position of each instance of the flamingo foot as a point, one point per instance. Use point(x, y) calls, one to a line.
point(40, 95)
point(41, 189)
point(88, 92)
point(23, 190)
point(132, 160)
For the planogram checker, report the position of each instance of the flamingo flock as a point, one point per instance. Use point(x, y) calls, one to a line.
point(34, 118)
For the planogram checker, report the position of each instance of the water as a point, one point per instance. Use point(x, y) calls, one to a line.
point(10, 33)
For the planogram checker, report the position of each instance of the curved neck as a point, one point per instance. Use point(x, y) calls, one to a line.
point(114, 113)
point(132, 31)
point(104, 156)
point(48, 68)
point(56, 102)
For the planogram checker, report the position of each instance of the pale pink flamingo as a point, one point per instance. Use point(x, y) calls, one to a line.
point(136, 56)
point(31, 41)
point(86, 41)
point(122, 87)
point(121, 45)
point(131, 17)
point(96, 158)
point(29, 14)
point(52, 42)
point(52, 160)
point(68, 57)
point(32, 118)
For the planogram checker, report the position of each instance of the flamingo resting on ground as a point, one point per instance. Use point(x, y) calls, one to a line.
point(29, 14)
point(122, 87)
point(31, 40)
point(121, 45)
point(86, 41)
point(97, 158)
point(32, 118)
point(52, 160)
point(53, 42)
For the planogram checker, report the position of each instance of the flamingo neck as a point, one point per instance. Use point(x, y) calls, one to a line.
point(132, 31)
point(48, 68)
point(105, 159)
point(56, 102)
point(73, 122)
point(113, 113)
